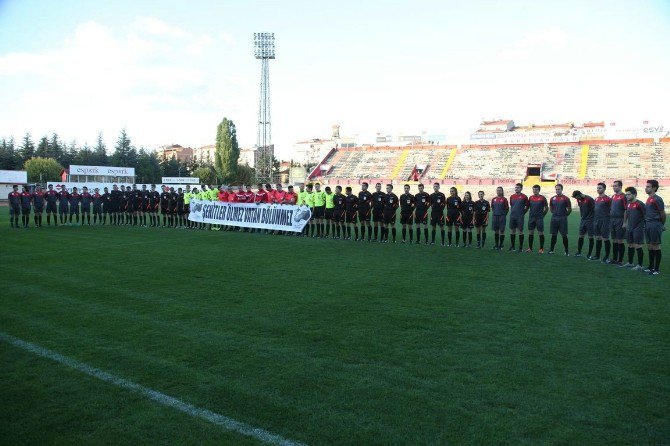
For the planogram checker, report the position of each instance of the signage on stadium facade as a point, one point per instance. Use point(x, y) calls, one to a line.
point(511, 138)
point(646, 132)
point(180, 180)
point(483, 136)
point(102, 170)
point(13, 176)
point(248, 215)
point(572, 135)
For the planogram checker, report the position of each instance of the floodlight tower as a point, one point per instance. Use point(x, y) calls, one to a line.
point(264, 49)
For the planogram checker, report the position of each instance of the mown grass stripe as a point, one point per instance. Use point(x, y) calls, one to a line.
point(154, 395)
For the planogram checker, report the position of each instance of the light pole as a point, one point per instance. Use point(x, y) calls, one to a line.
point(264, 49)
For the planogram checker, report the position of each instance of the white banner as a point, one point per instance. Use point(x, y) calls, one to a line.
point(180, 180)
point(249, 215)
point(102, 170)
point(13, 176)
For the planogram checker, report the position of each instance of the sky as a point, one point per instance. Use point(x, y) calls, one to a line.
point(169, 72)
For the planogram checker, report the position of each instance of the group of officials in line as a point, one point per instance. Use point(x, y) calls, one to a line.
point(609, 221)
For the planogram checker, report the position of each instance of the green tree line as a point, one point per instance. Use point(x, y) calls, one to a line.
point(45, 159)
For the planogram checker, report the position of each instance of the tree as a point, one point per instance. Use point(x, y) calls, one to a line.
point(42, 169)
point(276, 165)
point(245, 175)
point(27, 148)
point(100, 152)
point(57, 150)
point(42, 150)
point(227, 151)
point(69, 153)
point(84, 156)
point(9, 159)
point(172, 167)
point(207, 175)
point(192, 164)
point(148, 169)
point(125, 155)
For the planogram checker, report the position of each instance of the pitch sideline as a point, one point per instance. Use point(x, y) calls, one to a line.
point(220, 420)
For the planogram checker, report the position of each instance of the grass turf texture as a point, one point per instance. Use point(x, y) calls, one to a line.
point(328, 342)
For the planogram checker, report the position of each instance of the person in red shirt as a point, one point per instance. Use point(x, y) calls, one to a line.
point(279, 195)
point(233, 197)
point(240, 197)
point(290, 197)
point(249, 195)
point(270, 192)
point(230, 197)
point(275, 197)
point(222, 195)
point(261, 196)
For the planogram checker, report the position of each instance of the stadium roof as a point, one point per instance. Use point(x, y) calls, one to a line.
point(567, 125)
point(312, 141)
point(594, 124)
point(498, 122)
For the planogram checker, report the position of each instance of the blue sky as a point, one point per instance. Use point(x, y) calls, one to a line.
point(170, 71)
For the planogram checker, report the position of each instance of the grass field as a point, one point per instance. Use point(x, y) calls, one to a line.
point(327, 342)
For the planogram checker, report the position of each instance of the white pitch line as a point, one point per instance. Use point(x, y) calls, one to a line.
point(161, 398)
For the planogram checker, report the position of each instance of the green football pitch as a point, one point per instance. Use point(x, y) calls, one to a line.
point(325, 342)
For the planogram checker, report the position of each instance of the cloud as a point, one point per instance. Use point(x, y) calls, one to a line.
point(227, 38)
point(536, 41)
point(157, 27)
point(151, 77)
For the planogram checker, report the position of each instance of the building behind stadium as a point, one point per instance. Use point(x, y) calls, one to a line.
point(204, 154)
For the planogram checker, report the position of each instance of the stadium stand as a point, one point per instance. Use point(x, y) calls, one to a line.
point(629, 160)
point(574, 164)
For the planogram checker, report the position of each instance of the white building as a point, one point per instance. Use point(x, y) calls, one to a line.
point(204, 154)
point(310, 152)
point(248, 156)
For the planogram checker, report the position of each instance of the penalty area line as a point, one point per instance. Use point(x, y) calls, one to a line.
point(223, 421)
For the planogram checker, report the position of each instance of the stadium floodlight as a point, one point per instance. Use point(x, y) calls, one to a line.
point(264, 49)
point(264, 45)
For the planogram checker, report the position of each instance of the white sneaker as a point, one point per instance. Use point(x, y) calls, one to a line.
point(637, 268)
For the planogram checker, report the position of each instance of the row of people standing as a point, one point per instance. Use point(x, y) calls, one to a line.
point(608, 221)
point(605, 221)
point(126, 205)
